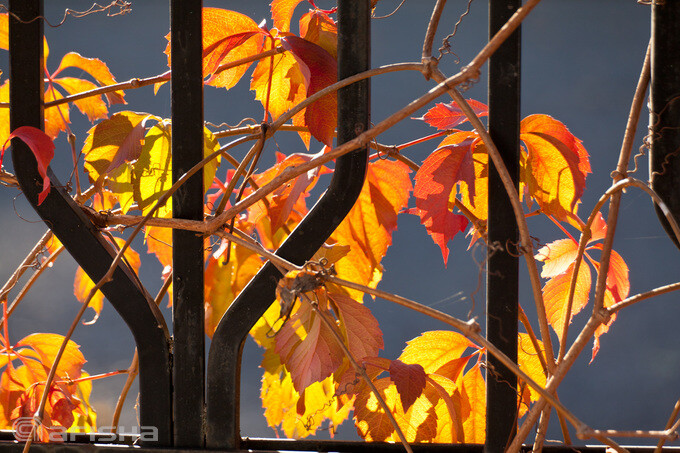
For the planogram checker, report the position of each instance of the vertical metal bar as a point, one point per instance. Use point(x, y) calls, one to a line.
point(26, 65)
point(224, 360)
point(187, 203)
point(68, 222)
point(665, 112)
point(502, 267)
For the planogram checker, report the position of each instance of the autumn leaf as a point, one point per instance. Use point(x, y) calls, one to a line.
point(42, 148)
point(225, 280)
point(318, 27)
point(368, 227)
point(450, 164)
point(474, 395)
point(307, 348)
point(299, 414)
point(82, 284)
point(409, 379)
point(319, 69)
point(555, 166)
point(282, 13)
point(44, 347)
point(227, 36)
point(448, 116)
point(530, 363)
point(556, 293)
point(97, 69)
point(618, 287)
point(418, 423)
point(435, 349)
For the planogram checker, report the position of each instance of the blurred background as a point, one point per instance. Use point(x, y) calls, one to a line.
point(581, 62)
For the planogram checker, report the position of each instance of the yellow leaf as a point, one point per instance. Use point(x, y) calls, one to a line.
point(474, 424)
point(432, 350)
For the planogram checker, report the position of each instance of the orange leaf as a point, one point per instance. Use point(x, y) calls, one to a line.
point(318, 27)
point(448, 165)
point(556, 293)
point(56, 117)
point(369, 225)
point(97, 69)
point(434, 350)
point(529, 362)
point(618, 287)
point(226, 38)
point(93, 106)
point(319, 69)
point(447, 116)
point(557, 257)
point(83, 284)
point(43, 150)
point(555, 168)
point(46, 346)
point(282, 13)
point(474, 388)
point(307, 348)
point(225, 280)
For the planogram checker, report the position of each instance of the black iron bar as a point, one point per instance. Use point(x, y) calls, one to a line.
point(224, 360)
point(665, 109)
point(82, 239)
point(187, 203)
point(502, 264)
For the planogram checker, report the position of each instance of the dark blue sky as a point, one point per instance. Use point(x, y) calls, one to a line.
point(581, 61)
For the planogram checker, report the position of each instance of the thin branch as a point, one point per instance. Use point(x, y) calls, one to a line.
point(670, 424)
point(429, 36)
point(25, 264)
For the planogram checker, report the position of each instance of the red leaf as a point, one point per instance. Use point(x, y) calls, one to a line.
point(215, 53)
point(320, 70)
point(435, 180)
point(43, 150)
point(410, 381)
point(447, 116)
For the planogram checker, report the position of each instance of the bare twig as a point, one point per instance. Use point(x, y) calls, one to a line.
point(25, 264)
point(670, 424)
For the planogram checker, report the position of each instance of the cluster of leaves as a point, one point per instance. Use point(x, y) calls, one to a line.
point(435, 388)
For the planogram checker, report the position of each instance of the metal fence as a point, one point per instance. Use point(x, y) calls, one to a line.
point(194, 404)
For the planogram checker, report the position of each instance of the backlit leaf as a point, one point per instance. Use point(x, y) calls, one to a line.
point(319, 69)
point(227, 36)
point(368, 227)
point(418, 423)
point(433, 350)
point(448, 165)
point(83, 284)
point(448, 116)
point(557, 257)
point(307, 348)
point(95, 68)
point(409, 379)
point(556, 293)
point(318, 27)
point(94, 107)
point(618, 287)
point(42, 148)
point(282, 12)
point(474, 388)
point(362, 331)
point(530, 363)
point(46, 346)
point(555, 167)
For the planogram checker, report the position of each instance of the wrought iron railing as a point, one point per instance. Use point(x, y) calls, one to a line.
point(193, 404)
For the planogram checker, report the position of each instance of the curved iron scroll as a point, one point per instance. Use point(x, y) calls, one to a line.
point(79, 236)
point(224, 359)
point(664, 162)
